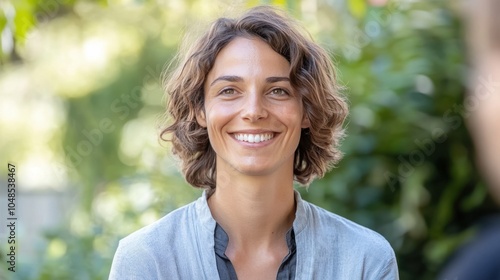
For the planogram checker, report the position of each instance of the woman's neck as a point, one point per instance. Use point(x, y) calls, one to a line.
point(254, 211)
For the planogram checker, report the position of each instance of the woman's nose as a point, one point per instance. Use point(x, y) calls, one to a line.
point(254, 107)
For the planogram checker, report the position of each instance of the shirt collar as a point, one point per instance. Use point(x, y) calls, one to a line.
point(208, 222)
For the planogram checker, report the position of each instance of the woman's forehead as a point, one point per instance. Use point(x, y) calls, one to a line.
point(246, 57)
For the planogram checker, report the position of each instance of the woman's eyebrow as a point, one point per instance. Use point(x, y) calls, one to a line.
point(277, 79)
point(227, 78)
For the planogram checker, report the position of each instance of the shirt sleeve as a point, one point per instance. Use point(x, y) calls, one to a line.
point(132, 262)
point(390, 270)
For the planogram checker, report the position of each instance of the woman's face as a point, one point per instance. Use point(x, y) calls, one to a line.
point(252, 114)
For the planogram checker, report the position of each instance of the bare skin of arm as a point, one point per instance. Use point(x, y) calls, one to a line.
point(483, 39)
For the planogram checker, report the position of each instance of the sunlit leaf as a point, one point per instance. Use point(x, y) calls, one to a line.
point(279, 3)
point(23, 22)
point(357, 7)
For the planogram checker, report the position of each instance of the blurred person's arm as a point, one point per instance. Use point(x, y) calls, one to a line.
point(479, 258)
point(483, 102)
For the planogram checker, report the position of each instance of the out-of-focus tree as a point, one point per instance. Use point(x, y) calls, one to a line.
point(82, 77)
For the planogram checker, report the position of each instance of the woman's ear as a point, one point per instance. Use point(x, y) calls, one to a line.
point(201, 118)
point(305, 121)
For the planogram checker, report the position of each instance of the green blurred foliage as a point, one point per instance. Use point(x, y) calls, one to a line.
point(408, 170)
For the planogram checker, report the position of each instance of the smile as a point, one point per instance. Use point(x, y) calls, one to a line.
point(254, 138)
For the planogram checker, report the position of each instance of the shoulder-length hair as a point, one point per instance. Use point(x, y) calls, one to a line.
point(312, 75)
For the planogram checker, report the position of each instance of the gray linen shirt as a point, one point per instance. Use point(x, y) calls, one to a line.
point(181, 246)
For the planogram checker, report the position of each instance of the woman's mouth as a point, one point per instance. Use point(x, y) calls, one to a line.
point(254, 137)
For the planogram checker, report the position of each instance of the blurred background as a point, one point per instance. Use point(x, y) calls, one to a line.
point(81, 97)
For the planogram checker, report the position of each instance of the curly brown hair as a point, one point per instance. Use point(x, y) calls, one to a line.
point(312, 75)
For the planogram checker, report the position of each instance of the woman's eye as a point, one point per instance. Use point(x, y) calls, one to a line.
point(279, 91)
point(227, 91)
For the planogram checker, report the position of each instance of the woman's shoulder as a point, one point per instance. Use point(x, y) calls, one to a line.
point(169, 225)
point(331, 226)
point(349, 250)
point(159, 250)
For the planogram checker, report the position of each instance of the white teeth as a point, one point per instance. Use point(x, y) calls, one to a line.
point(254, 138)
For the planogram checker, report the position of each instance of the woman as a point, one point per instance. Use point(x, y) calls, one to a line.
point(254, 106)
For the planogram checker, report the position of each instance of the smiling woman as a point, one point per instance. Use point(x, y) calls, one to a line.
point(255, 106)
